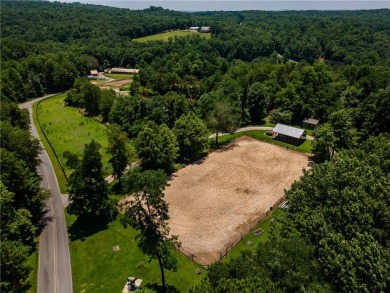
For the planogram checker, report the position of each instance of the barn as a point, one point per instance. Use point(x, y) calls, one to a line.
point(288, 134)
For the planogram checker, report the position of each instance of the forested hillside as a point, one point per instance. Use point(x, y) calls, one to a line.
point(258, 66)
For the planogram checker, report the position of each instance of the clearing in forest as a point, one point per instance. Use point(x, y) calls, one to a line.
point(167, 35)
point(215, 202)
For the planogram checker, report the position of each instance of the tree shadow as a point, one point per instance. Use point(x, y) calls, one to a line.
point(117, 188)
point(86, 226)
point(227, 147)
point(158, 288)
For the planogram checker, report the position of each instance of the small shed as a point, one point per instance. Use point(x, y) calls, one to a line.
point(310, 123)
point(288, 134)
point(94, 72)
point(194, 28)
point(205, 29)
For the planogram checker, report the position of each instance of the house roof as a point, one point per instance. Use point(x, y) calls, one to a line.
point(311, 121)
point(289, 131)
point(94, 72)
point(124, 70)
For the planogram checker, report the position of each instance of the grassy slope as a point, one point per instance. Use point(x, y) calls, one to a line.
point(96, 268)
point(167, 35)
point(68, 130)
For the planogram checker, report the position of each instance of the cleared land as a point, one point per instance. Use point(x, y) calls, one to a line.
point(215, 202)
point(68, 130)
point(116, 83)
point(167, 35)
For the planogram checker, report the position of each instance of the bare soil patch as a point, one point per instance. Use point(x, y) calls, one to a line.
point(116, 83)
point(215, 202)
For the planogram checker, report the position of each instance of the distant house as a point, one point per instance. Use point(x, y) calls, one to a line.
point(288, 133)
point(310, 123)
point(205, 29)
point(94, 72)
point(124, 70)
point(194, 28)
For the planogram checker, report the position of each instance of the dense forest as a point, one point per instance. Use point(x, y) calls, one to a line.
point(286, 66)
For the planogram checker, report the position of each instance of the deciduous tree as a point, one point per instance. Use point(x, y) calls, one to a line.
point(117, 148)
point(147, 212)
point(191, 134)
point(157, 147)
point(87, 187)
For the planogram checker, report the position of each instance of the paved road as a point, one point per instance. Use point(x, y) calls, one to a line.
point(54, 270)
point(248, 128)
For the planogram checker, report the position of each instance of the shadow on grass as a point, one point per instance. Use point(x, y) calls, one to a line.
point(86, 226)
point(158, 288)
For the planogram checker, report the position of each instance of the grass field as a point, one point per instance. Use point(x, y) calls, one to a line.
point(96, 268)
point(261, 135)
point(68, 130)
point(167, 35)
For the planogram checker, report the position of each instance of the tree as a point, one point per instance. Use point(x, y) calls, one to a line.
point(223, 119)
point(91, 98)
point(324, 143)
point(117, 148)
point(257, 101)
point(341, 207)
point(15, 268)
point(87, 187)
point(175, 105)
point(341, 123)
point(147, 212)
point(157, 147)
point(191, 134)
point(106, 101)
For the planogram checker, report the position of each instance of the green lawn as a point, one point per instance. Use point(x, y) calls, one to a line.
point(68, 130)
point(33, 261)
point(50, 152)
point(118, 76)
point(167, 35)
point(261, 135)
point(243, 244)
point(96, 268)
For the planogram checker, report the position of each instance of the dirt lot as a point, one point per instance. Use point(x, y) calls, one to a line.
point(212, 203)
point(116, 83)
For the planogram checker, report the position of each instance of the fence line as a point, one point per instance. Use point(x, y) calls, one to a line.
point(233, 244)
point(193, 257)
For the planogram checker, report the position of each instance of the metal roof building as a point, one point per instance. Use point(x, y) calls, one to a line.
point(288, 133)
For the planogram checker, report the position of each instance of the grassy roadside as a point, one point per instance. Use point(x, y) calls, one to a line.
point(167, 35)
point(96, 268)
point(56, 165)
point(68, 130)
point(33, 262)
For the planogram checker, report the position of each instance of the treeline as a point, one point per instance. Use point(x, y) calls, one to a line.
point(50, 44)
point(333, 238)
point(22, 199)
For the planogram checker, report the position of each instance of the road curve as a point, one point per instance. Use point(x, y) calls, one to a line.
point(54, 270)
point(248, 128)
